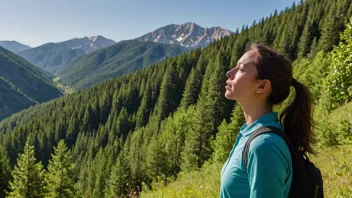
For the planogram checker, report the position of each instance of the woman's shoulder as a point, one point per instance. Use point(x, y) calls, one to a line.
point(271, 147)
point(269, 142)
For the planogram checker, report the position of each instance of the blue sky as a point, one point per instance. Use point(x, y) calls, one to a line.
point(35, 22)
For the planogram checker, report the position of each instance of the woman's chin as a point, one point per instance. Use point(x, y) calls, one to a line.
point(229, 95)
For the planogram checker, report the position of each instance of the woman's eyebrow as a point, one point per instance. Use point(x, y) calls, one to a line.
point(246, 63)
point(241, 63)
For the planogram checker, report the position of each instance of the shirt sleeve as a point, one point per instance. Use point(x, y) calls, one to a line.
point(267, 166)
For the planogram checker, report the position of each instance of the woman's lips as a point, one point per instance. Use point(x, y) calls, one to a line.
point(228, 86)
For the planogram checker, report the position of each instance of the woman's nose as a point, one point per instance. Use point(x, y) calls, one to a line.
point(230, 74)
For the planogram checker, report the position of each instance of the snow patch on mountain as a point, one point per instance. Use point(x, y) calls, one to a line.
point(188, 35)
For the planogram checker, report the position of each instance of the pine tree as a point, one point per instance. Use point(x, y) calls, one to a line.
point(174, 137)
point(117, 186)
point(60, 175)
point(305, 40)
point(137, 159)
point(87, 119)
point(100, 171)
point(122, 123)
point(5, 171)
point(197, 147)
point(155, 157)
point(226, 136)
point(190, 94)
point(294, 43)
point(145, 108)
point(168, 99)
point(193, 84)
point(28, 176)
point(330, 30)
point(105, 106)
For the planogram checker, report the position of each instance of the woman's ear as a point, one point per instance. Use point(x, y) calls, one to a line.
point(263, 86)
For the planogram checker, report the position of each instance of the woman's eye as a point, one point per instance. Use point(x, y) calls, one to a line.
point(240, 67)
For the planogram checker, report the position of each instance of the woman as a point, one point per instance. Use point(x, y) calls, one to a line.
point(261, 79)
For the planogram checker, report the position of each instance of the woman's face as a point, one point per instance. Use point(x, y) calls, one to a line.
point(242, 84)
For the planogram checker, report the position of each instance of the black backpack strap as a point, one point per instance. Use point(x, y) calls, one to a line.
point(302, 169)
point(259, 131)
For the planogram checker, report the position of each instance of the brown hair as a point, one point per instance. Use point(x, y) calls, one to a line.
point(296, 118)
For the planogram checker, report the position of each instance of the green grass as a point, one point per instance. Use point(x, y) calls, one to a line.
point(204, 183)
point(341, 113)
point(65, 89)
point(335, 164)
point(335, 128)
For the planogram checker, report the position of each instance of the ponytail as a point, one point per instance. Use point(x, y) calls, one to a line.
point(297, 119)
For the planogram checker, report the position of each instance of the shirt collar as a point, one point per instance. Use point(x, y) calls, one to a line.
point(268, 117)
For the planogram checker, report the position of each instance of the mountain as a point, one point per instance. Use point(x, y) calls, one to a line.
point(51, 56)
point(22, 84)
point(117, 60)
point(90, 44)
point(14, 46)
point(188, 35)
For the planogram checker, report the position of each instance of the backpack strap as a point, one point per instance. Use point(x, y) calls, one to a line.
point(259, 131)
point(302, 179)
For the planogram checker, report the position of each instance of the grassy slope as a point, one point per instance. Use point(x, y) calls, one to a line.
point(336, 166)
point(65, 89)
point(343, 112)
point(204, 183)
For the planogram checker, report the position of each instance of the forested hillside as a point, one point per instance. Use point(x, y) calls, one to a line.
point(117, 60)
point(22, 84)
point(52, 56)
point(131, 133)
point(14, 46)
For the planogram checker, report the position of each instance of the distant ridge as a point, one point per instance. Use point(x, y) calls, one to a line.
point(117, 60)
point(14, 46)
point(51, 56)
point(188, 35)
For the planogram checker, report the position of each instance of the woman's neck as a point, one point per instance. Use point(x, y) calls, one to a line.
point(254, 111)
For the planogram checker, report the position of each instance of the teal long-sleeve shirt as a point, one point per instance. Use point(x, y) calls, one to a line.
point(269, 168)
